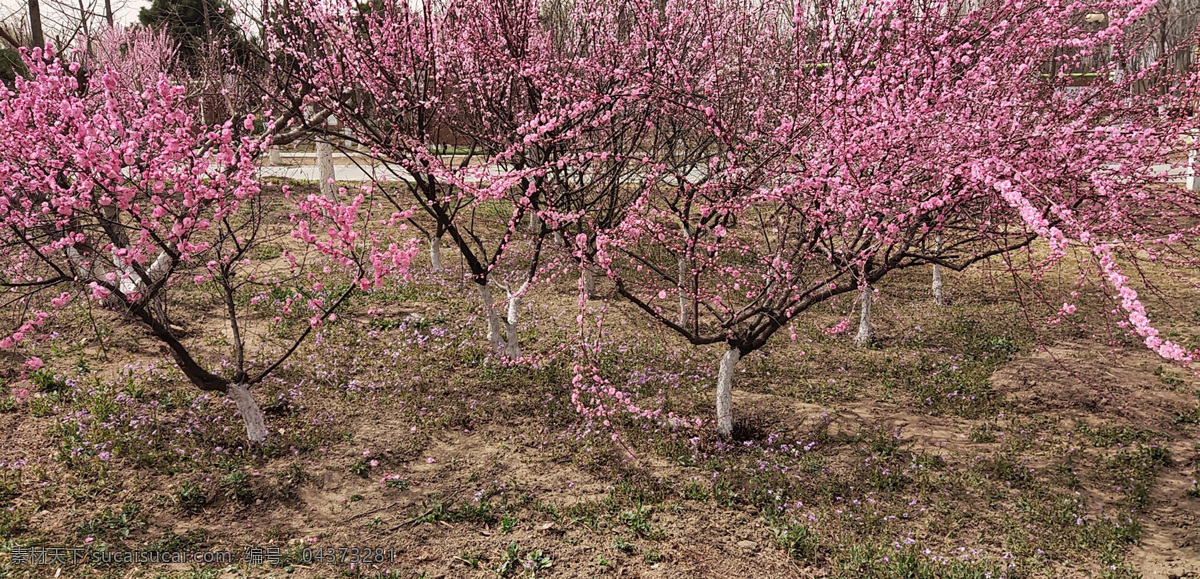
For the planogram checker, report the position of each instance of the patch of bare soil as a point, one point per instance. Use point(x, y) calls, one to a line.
point(1098, 385)
point(455, 470)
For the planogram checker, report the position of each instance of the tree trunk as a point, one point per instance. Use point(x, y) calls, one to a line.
point(685, 272)
point(725, 391)
point(589, 283)
point(83, 25)
point(435, 254)
point(128, 280)
point(108, 13)
point(684, 314)
point(939, 295)
point(276, 157)
point(256, 429)
point(489, 309)
point(865, 335)
point(513, 349)
point(325, 169)
point(35, 24)
point(1193, 180)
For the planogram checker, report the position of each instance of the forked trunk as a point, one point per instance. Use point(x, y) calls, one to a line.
point(489, 309)
point(325, 169)
point(725, 391)
point(435, 254)
point(129, 281)
point(256, 428)
point(865, 334)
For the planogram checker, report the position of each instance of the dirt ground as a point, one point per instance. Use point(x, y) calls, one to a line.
point(955, 446)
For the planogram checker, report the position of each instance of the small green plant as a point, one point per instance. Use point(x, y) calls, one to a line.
point(1159, 456)
point(623, 545)
point(799, 542)
point(536, 561)
point(1107, 436)
point(1167, 378)
point(361, 468)
point(440, 509)
point(190, 540)
point(694, 492)
point(291, 479)
point(526, 563)
point(471, 560)
point(510, 560)
point(110, 524)
point(42, 406)
point(48, 381)
point(638, 521)
point(266, 251)
point(10, 486)
point(385, 323)
point(236, 486)
point(984, 433)
point(1188, 417)
point(189, 497)
point(12, 522)
point(507, 523)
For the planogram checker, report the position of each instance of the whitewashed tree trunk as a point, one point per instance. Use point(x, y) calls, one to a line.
point(725, 391)
point(1193, 181)
point(865, 334)
point(128, 280)
point(256, 428)
point(276, 156)
point(534, 223)
point(939, 293)
point(325, 169)
point(685, 270)
point(513, 348)
point(435, 253)
point(489, 308)
point(589, 282)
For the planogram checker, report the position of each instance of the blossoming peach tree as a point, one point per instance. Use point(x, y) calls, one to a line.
point(806, 150)
point(113, 191)
point(520, 101)
point(727, 166)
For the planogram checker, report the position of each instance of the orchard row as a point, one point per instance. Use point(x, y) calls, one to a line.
point(725, 165)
